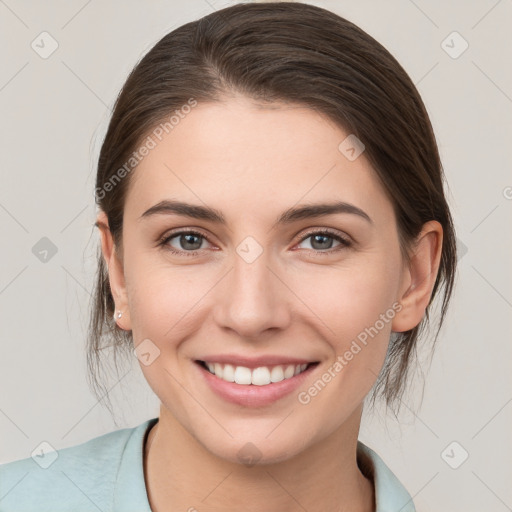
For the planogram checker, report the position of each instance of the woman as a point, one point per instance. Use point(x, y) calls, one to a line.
point(273, 230)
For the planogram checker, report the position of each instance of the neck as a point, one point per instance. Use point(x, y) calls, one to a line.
point(182, 475)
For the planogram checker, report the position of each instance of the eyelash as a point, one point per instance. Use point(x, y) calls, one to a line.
point(344, 242)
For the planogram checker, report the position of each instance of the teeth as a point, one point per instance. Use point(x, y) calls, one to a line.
point(260, 376)
point(228, 373)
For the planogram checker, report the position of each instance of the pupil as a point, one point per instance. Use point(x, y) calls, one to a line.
point(320, 237)
point(187, 243)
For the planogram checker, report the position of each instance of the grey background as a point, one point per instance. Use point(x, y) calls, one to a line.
point(54, 113)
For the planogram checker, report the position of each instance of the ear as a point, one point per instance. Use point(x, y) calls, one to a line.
point(419, 277)
point(115, 272)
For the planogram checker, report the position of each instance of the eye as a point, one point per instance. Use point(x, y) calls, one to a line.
point(184, 243)
point(322, 241)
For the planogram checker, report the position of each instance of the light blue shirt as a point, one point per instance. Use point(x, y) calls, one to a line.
point(106, 474)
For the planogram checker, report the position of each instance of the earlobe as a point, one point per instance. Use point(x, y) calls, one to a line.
point(115, 272)
point(419, 277)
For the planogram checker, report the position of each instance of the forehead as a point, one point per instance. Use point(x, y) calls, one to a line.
point(251, 156)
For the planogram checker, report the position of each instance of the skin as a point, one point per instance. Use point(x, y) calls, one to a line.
point(252, 163)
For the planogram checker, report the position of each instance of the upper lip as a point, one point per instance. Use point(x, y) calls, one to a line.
point(254, 362)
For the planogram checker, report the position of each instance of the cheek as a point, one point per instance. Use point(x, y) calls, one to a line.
point(164, 300)
point(355, 306)
point(164, 308)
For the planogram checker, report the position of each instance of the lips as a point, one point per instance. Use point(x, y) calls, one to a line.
point(260, 394)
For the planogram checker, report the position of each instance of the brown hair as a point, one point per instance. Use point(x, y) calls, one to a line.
point(283, 52)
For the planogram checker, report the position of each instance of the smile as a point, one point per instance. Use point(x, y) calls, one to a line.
point(260, 376)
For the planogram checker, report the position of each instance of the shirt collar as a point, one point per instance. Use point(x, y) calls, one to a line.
point(130, 488)
point(390, 494)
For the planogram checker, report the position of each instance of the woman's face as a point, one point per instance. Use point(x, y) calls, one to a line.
point(264, 282)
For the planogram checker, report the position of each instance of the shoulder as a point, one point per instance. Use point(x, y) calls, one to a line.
point(390, 494)
point(80, 477)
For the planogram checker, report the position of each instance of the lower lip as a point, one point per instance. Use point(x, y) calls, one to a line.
point(251, 395)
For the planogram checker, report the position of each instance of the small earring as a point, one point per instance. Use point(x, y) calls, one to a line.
point(117, 315)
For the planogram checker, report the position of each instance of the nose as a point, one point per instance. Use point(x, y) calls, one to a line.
point(254, 299)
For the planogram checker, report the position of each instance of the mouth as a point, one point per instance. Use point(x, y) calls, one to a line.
point(260, 376)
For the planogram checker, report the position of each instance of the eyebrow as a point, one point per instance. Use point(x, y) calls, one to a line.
point(169, 207)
